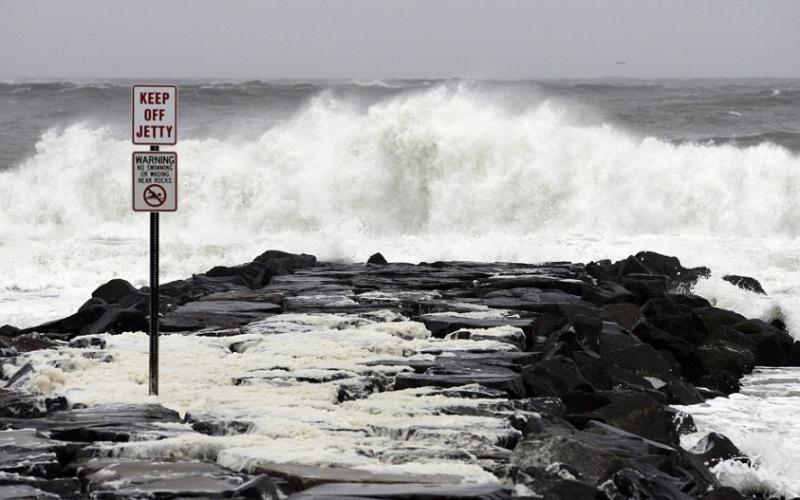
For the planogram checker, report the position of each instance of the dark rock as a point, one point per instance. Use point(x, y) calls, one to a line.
point(261, 487)
point(723, 493)
point(88, 341)
point(676, 319)
point(453, 376)
point(115, 423)
point(113, 291)
point(714, 317)
point(440, 325)
point(117, 320)
point(253, 275)
point(671, 267)
point(583, 401)
point(21, 377)
point(643, 360)
point(24, 492)
point(720, 356)
point(71, 325)
point(302, 477)
point(216, 425)
point(537, 282)
point(279, 262)
point(773, 347)
point(9, 331)
point(377, 259)
point(723, 382)
point(409, 491)
point(554, 377)
point(216, 314)
point(112, 478)
point(630, 483)
point(642, 415)
point(588, 331)
point(645, 286)
point(683, 350)
point(27, 342)
point(689, 300)
point(594, 453)
point(608, 292)
point(745, 283)
point(681, 393)
point(714, 448)
point(15, 404)
point(626, 314)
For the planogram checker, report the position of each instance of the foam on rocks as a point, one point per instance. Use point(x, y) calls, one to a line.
point(289, 376)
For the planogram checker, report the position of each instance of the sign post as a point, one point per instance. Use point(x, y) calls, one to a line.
point(155, 181)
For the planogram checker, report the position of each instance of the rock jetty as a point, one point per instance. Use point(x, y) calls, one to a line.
point(579, 365)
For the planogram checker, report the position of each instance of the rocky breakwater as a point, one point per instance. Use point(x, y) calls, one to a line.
point(383, 380)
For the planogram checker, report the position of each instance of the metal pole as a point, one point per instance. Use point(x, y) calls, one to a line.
point(154, 299)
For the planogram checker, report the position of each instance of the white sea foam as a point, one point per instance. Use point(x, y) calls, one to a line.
point(293, 422)
point(762, 421)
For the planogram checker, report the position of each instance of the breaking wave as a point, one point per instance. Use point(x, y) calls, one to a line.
point(444, 172)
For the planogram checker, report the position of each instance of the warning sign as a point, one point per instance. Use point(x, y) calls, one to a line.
point(155, 181)
point(155, 120)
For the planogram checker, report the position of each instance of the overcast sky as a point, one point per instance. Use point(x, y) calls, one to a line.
point(399, 39)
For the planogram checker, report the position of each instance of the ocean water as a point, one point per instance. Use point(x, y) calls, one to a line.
point(519, 171)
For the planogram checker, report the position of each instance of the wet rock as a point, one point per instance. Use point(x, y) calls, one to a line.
point(441, 325)
point(27, 342)
point(642, 415)
point(745, 283)
point(684, 351)
point(537, 281)
point(626, 314)
point(302, 477)
point(608, 292)
point(377, 259)
point(21, 377)
point(678, 320)
point(409, 491)
point(594, 455)
point(723, 493)
point(492, 377)
point(9, 331)
point(643, 360)
point(117, 320)
point(555, 302)
point(14, 404)
point(649, 482)
point(114, 422)
point(714, 448)
point(113, 291)
point(24, 492)
point(720, 356)
point(681, 393)
point(216, 425)
point(120, 479)
point(279, 262)
point(773, 347)
point(714, 317)
point(218, 313)
point(554, 377)
point(253, 275)
point(88, 341)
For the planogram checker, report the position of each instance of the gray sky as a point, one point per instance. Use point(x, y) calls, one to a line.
point(399, 39)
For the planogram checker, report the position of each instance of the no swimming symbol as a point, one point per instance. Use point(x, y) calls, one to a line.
point(154, 195)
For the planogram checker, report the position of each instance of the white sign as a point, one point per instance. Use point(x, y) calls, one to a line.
point(155, 181)
point(155, 117)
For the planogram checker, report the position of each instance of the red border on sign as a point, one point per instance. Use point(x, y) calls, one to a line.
point(133, 180)
point(133, 106)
